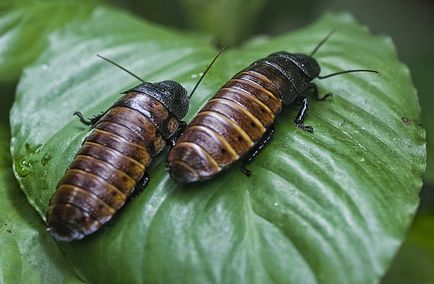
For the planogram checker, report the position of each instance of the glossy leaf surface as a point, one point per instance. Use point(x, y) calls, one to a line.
point(328, 207)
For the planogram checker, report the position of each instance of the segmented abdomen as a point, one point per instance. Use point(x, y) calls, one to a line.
point(229, 125)
point(108, 166)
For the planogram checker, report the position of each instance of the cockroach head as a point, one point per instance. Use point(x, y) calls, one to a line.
point(170, 93)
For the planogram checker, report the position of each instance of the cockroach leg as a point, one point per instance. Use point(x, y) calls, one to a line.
point(140, 186)
point(312, 90)
point(257, 149)
point(299, 119)
point(90, 122)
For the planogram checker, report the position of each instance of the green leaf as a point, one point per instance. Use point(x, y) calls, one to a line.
point(239, 17)
point(25, 26)
point(424, 67)
point(329, 207)
point(415, 260)
point(27, 254)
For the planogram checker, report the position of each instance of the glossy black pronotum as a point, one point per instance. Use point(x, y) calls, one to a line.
point(239, 120)
point(112, 162)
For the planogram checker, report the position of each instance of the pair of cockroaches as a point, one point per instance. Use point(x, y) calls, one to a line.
point(235, 124)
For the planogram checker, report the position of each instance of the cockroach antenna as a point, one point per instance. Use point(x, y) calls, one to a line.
point(206, 70)
point(322, 42)
point(120, 67)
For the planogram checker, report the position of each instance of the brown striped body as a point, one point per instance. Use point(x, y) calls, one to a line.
point(109, 165)
point(233, 122)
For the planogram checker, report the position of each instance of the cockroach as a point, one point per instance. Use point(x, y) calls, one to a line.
point(112, 161)
point(238, 122)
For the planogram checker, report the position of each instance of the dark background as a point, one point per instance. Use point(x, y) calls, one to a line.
point(410, 24)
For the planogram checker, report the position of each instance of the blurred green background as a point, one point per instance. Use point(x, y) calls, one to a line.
point(409, 23)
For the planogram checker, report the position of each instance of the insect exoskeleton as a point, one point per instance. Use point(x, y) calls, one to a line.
point(238, 121)
point(112, 161)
